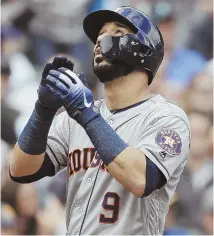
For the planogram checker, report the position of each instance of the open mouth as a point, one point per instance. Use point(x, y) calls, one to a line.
point(99, 58)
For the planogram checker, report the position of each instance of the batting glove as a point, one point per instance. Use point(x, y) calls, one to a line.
point(48, 96)
point(73, 93)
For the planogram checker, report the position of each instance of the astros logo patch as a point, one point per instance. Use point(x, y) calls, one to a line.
point(169, 140)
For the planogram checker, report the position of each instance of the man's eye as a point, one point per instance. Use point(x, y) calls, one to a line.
point(118, 31)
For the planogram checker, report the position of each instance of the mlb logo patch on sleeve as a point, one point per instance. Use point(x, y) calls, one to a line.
point(169, 141)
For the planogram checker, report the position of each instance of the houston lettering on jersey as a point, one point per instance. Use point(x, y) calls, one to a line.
point(81, 160)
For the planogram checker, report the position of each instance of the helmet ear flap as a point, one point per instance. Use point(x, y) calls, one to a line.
point(145, 51)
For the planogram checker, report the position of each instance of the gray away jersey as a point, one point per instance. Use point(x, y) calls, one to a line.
point(96, 202)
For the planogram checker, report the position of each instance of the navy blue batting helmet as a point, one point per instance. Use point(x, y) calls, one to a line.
point(144, 48)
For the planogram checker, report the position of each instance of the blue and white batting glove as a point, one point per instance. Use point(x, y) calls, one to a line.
point(49, 97)
point(71, 89)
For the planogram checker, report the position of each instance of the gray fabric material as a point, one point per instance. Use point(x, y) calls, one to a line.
point(89, 181)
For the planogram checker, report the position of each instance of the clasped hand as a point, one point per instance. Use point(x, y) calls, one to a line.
point(60, 86)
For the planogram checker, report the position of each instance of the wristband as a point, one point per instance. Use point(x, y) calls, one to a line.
point(33, 139)
point(107, 142)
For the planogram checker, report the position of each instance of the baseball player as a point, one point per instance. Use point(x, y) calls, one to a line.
point(125, 153)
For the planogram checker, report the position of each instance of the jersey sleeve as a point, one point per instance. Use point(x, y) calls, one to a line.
point(165, 141)
point(58, 141)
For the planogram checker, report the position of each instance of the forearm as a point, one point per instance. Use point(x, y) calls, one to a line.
point(28, 154)
point(129, 169)
point(125, 163)
point(22, 164)
point(33, 139)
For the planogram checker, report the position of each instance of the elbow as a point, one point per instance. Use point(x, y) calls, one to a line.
point(14, 172)
point(12, 176)
point(22, 179)
point(138, 188)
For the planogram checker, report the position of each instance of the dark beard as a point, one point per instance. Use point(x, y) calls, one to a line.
point(112, 71)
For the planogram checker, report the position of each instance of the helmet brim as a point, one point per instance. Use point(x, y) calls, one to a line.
point(93, 22)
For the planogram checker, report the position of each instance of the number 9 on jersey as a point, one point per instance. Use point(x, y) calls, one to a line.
point(111, 206)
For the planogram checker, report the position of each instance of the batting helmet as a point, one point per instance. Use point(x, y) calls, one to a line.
point(143, 49)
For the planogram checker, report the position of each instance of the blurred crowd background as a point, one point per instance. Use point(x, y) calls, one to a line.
point(33, 31)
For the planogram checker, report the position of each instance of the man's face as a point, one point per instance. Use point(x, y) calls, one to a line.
point(112, 29)
point(104, 69)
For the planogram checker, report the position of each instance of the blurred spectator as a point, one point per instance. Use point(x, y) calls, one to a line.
point(27, 206)
point(200, 163)
point(199, 95)
point(207, 207)
point(54, 212)
point(8, 115)
point(55, 28)
point(164, 16)
point(188, 61)
point(201, 32)
point(8, 119)
point(8, 189)
point(172, 226)
point(21, 83)
point(192, 185)
point(9, 222)
point(189, 58)
point(51, 219)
